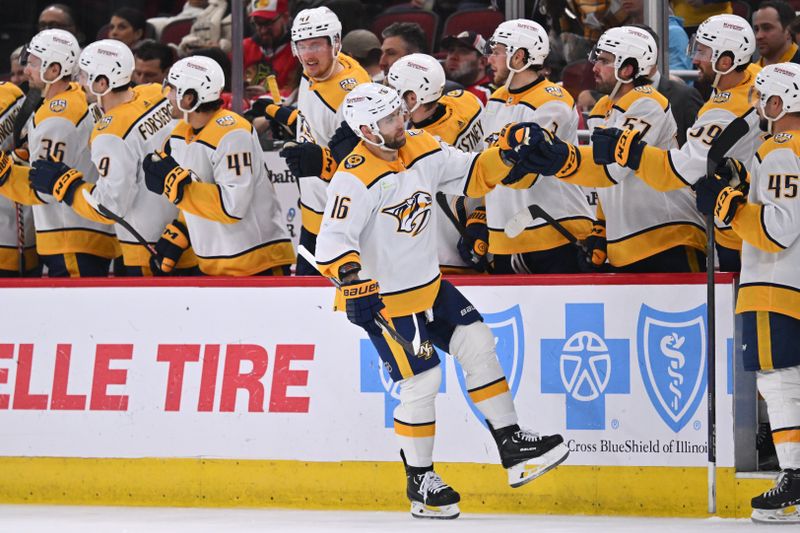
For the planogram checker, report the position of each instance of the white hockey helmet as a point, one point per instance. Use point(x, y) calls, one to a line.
point(317, 22)
point(522, 34)
point(200, 74)
point(55, 46)
point(366, 105)
point(109, 58)
point(628, 42)
point(725, 33)
point(781, 80)
point(420, 74)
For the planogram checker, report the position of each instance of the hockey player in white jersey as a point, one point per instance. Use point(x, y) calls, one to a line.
point(378, 239)
point(212, 168)
point(722, 50)
point(16, 221)
point(454, 118)
point(518, 50)
point(768, 221)
point(134, 123)
point(69, 244)
point(328, 75)
point(645, 230)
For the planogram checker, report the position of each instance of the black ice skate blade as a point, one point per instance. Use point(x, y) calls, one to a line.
point(541, 472)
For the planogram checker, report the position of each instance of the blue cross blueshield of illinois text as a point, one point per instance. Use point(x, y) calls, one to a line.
point(672, 359)
point(585, 366)
point(509, 337)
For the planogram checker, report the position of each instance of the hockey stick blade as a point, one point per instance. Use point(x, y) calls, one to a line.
point(103, 210)
point(304, 252)
point(518, 223)
point(525, 218)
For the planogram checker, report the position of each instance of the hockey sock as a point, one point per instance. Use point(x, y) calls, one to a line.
point(781, 390)
point(473, 346)
point(415, 417)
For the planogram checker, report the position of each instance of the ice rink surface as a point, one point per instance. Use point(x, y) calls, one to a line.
point(68, 519)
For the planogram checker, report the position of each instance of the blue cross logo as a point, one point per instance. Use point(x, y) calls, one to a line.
point(585, 366)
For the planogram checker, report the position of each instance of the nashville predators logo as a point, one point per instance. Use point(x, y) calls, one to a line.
point(304, 133)
point(645, 89)
point(57, 106)
point(353, 160)
point(455, 93)
point(348, 84)
point(412, 214)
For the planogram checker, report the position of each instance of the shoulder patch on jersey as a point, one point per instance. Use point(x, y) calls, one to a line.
point(103, 123)
point(226, 120)
point(353, 160)
point(348, 84)
point(781, 138)
point(58, 106)
point(554, 90)
point(722, 97)
point(414, 132)
point(455, 92)
point(646, 89)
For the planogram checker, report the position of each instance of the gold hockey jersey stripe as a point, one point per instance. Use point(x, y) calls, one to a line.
point(769, 297)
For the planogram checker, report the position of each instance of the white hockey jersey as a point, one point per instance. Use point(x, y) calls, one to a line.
point(60, 130)
point(678, 167)
point(319, 114)
point(380, 214)
point(553, 109)
point(457, 122)
point(231, 211)
point(119, 142)
point(769, 224)
point(641, 221)
point(11, 98)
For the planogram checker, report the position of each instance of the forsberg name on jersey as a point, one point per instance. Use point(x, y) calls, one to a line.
point(157, 120)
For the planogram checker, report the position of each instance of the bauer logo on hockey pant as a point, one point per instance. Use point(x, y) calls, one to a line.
point(672, 361)
point(585, 366)
point(412, 214)
point(508, 329)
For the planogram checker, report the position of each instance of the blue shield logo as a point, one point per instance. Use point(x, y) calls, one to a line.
point(672, 360)
point(509, 339)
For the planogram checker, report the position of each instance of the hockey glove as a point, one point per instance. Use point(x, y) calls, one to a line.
point(5, 166)
point(174, 240)
point(592, 257)
point(343, 142)
point(554, 158)
point(472, 246)
point(613, 145)
point(728, 202)
point(163, 175)
point(55, 178)
point(363, 304)
point(716, 194)
point(308, 159)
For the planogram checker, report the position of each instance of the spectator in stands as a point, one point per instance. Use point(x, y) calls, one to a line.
point(211, 29)
point(218, 55)
point(269, 50)
point(191, 9)
point(678, 40)
point(127, 25)
point(771, 24)
point(18, 76)
point(466, 63)
point(365, 47)
point(399, 40)
point(59, 17)
point(693, 12)
point(153, 60)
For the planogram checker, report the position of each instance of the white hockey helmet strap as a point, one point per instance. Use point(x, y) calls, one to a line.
point(420, 74)
point(55, 46)
point(366, 105)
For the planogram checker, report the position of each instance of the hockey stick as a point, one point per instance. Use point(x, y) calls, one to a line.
point(525, 218)
point(103, 210)
point(411, 348)
point(441, 199)
point(734, 131)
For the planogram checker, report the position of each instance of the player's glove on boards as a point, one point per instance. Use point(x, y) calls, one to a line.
point(472, 246)
point(174, 240)
point(363, 304)
point(163, 175)
point(55, 178)
point(613, 145)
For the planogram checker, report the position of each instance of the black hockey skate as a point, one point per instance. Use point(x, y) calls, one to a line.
point(780, 503)
point(430, 496)
point(527, 455)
